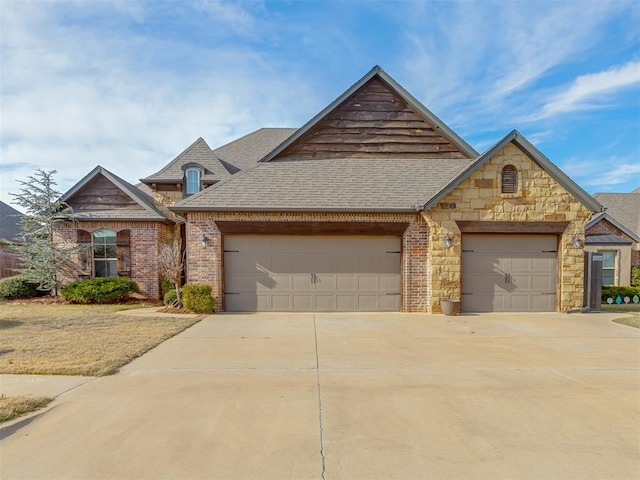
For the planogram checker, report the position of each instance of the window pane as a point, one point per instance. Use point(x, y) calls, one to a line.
point(608, 277)
point(608, 259)
point(193, 181)
point(104, 234)
point(111, 251)
point(99, 251)
point(105, 268)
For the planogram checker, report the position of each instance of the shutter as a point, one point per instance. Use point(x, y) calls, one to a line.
point(509, 179)
point(124, 253)
point(85, 256)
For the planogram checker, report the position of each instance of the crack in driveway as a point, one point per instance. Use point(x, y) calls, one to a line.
point(322, 452)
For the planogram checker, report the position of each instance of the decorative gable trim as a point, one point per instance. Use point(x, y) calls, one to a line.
point(420, 109)
point(532, 152)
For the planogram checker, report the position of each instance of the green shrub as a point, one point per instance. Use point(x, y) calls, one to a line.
point(171, 296)
point(197, 298)
point(17, 287)
point(166, 285)
point(635, 276)
point(99, 290)
point(613, 292)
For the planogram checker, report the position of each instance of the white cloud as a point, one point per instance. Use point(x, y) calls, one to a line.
point(78, 93)
point(589, 91)
point(604, 174)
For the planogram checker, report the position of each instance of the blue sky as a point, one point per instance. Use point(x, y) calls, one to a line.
point(130, 84)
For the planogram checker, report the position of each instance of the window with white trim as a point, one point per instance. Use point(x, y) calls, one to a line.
point(608, 267)
point(193, 181)
point(105, 254)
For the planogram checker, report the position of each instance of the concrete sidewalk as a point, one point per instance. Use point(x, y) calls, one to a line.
point(352, 396)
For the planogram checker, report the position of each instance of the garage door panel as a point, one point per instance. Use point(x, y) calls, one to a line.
point(508, 272)
point(305, 273)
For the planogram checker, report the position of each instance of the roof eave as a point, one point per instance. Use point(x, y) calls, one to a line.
point(290, 209)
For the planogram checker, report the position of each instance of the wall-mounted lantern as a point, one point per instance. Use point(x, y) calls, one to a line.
point(447, 241)
point(575, 240)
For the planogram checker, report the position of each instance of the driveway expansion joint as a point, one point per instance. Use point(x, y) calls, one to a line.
point(322, 451)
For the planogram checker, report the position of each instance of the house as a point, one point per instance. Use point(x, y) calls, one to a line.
point(9, 232)
point(373, 205)
point(616, 234)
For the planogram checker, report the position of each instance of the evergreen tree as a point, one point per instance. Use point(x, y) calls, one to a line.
point(44, 258)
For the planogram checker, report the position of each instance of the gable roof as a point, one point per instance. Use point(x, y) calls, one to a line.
point(602, 216)
point(624, 207)
point(197, 153)
point(147, 211)
point(532, 152)
point(329, 185)
point(379, 73)
point(9, 222)
point(246, 151)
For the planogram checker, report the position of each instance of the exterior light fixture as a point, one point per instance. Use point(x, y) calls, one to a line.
point(575, 240)
point(203, 241)
point(447, 241)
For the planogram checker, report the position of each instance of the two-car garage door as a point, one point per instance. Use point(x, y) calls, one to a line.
point(312, 273)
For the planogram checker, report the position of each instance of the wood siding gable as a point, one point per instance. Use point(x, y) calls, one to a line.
point(373, 122)
point(101, 194)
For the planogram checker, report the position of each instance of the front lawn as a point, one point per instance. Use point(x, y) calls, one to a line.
point(633, 311)
point(91, 340)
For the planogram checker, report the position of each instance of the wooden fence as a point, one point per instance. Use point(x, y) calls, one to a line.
point(9, 262)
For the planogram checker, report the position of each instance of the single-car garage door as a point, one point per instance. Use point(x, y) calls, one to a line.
point(311, 273)
point(509, 273)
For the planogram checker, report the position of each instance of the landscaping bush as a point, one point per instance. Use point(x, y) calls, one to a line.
point(166, 285)
point(170, 296)
point(613, 292)
point(99, 290)
point(197, 298)
point(635, 276)
point(18, 286)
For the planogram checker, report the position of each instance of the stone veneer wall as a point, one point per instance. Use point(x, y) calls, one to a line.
point(204, 265)
point(479, 198)
point(146, 239)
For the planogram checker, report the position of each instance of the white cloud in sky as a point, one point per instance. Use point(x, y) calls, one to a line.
point(130, 84)
point(589, 91)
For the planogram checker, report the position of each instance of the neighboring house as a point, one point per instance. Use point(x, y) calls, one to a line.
point(616, 234)
point(9, 232)
point(373, 205)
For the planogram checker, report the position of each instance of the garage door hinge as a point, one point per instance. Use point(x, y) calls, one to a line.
point(393, 293)
point(393, 251)
point(468, 250)
point(550, 293)
point(467, 293)
point(549, 251)
point(232, 293)
point(232, 251)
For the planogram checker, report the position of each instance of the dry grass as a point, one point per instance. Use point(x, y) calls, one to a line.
point(77, 339)
point(12, 407)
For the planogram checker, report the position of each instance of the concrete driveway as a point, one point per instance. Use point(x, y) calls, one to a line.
point(353, 396)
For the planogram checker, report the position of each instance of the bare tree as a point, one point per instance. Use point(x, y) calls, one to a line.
point(171, 264)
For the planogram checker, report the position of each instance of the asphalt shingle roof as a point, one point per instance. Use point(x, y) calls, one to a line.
point(606, 240)
point(197, 153)
point(624, 207)
point(9, 222)
point(329, 185)
point(244, 152)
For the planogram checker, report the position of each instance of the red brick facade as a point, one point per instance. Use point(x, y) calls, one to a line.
point(145, 241)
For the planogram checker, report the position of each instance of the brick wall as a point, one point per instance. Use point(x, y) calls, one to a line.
point(204, 265)
point(146, 239)
point(478, 198)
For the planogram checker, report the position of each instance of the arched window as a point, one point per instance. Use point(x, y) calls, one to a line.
point(509, 179)
point(105, 254)
point(193, 181)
